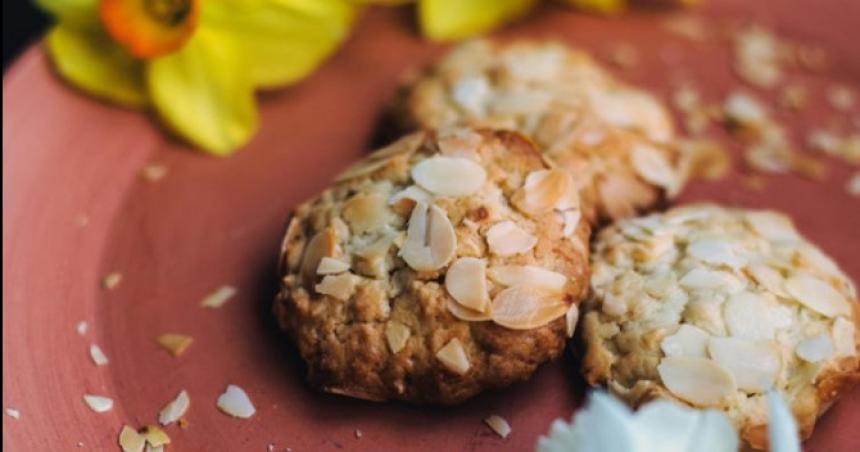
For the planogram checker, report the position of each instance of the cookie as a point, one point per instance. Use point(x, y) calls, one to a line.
point(437, 267)
point(571, 107)
point(714, 306)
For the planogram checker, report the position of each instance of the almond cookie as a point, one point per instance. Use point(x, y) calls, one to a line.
point(564, 101)
point(437, 267)
point(712, 307)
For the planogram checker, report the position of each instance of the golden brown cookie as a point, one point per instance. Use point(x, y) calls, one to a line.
point(618, 139)
point(435, 268)
point(712, 307)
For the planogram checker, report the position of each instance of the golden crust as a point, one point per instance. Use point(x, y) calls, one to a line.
point(344, 342)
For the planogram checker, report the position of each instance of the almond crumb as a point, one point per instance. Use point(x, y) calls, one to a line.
point(112, 280)
point(499, 425)
point(175, 344)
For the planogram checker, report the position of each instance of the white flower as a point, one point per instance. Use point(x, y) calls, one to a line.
point(607, 425)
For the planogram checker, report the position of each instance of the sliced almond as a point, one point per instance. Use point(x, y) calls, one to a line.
point(716, 251)
point(453, 356)
point(571, 317)
point(817, 295)
point(769, 278)
point(430, 239)
point(507, 239)
point(688, 341)
point(463, 313)
point(130, 440)
point(571, 219)
point(175, 344)
point(698, 381)
point(652, 166)
point(816, 348)
point(528, 275)
point(752, 316)
point(366, 212)
point(99, 404)
point(219, 297)
point(463, 143)
point(235, 402)
point(525, 308)
point(396, 334)
point(843, 337)
point(703, 278)
point(449, 176)
point(753, 364)
point(175, 409)
point(322, 244)
point(155, 436)
point(499, 425)
point(339, 286)
point(331, 266)
point(543, 190)
point(466, 282)
point(97, 355)
point(772, 225)
point(413, 193)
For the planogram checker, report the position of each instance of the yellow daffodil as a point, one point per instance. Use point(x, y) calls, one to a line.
point(196, 63)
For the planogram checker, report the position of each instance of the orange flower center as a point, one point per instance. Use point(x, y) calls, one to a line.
point(150, 28)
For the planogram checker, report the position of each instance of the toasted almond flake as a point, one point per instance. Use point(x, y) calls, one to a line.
point(773, 226)
point(430, 239)
point(815, 348)
point(330, 266)
point(175, 409)
point(499, 425)
point(770, 279)
point(752, 316)
point(688, 341)
point(817, 295)
point(715, 251)
point(449, 176)
point(754, 364)
point(650, 164)
point(153, 172)
point(463, 313)
point(698, 381)
point(175, 344)
point(396, 334)
point(112, 280)
point(571, 220)
point(322, 244)
point(99, 404)
point(82, 327)
point(543, 190)
point(219, 297)
point(340, 286)
point(853, 185)
point(454, 357)
point(366, 212)
point(154, 435)
point(235, 402)
point(841, 98)
point(525, 308)
point(571, 317)
point(843, 337)
point(466, 282)
point(505, 238)
point(130, 440)
point(97, 355)
point(413, 193)
point(13, 413)
point(528, 275)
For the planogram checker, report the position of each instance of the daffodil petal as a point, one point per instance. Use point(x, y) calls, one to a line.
point(449, 20)
point(78, 12)
point(88, 59)
point(282, 40)
point(203, 93)
point(599, 6)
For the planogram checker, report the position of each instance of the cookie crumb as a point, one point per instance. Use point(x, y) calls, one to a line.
point(499, 425)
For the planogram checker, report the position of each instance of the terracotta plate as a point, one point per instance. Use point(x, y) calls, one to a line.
point(212, 222)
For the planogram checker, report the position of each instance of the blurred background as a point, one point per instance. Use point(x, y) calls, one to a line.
point(22, 24)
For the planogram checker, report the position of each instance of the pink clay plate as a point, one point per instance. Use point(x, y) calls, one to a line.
point(212, 222)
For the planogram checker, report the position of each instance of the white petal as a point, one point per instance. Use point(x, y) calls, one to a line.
point(781, 427)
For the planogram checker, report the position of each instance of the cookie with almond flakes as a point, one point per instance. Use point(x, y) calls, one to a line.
point(437, 267)
point(617, 140)
point(713, 307)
